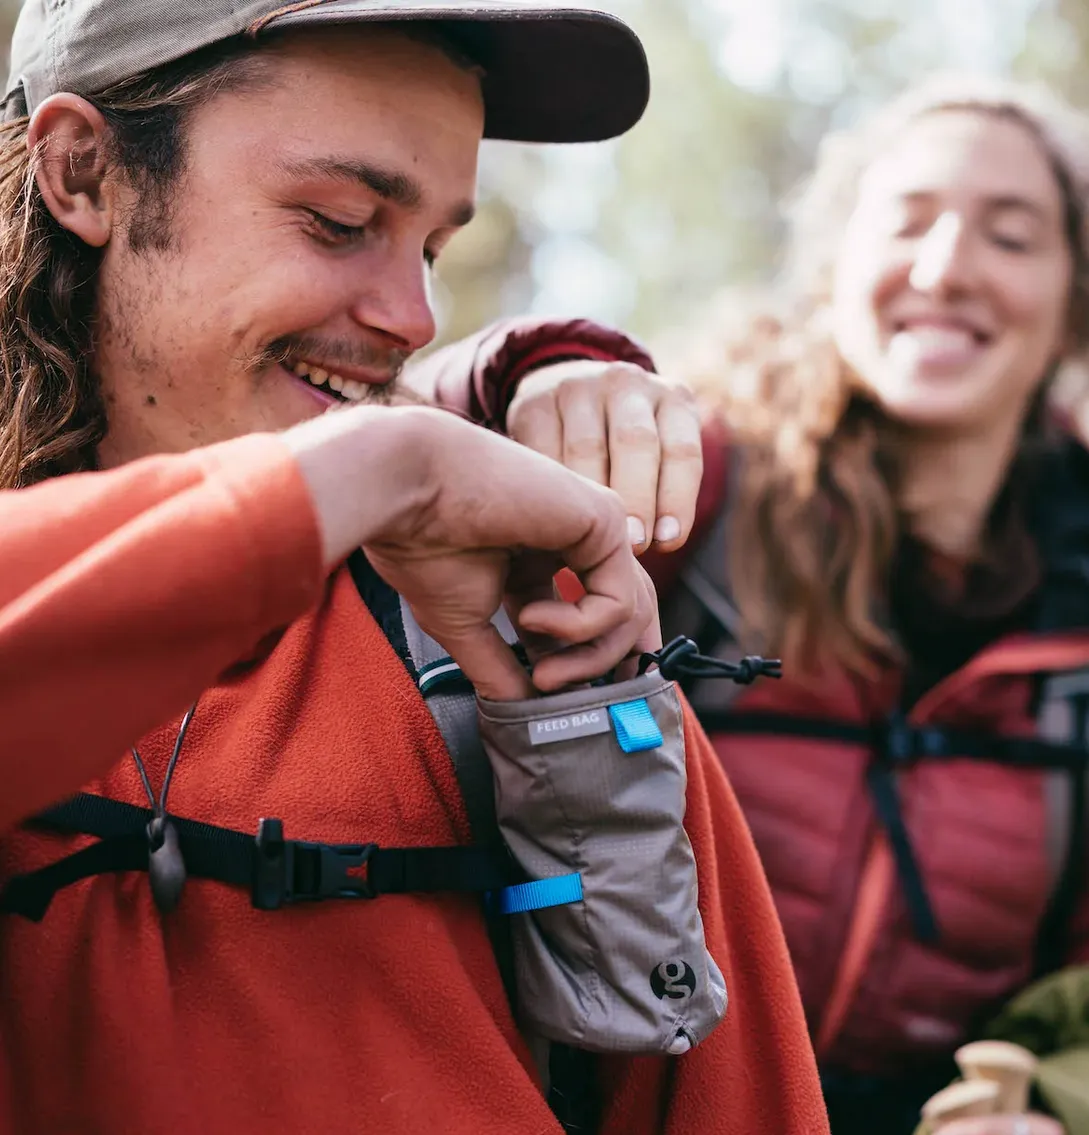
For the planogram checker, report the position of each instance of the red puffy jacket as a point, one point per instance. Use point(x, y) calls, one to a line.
point(923, 866)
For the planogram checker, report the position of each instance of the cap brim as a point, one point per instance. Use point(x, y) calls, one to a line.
point(551, 74)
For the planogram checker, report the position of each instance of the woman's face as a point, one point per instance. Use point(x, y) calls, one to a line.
point(952, 287)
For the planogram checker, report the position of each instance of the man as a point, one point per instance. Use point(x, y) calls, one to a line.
point(223, 230)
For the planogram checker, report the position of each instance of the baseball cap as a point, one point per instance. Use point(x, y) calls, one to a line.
point(552, 73)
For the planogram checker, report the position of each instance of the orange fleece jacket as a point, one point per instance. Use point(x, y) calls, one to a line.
point(122, 596)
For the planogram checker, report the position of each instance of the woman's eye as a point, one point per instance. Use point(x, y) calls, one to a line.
point(1011, 241)
point(1010, 244)
point(333, 232)
point(906, 225)
point(898, 223)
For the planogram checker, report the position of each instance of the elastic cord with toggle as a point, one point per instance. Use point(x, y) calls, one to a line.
point(681, 658)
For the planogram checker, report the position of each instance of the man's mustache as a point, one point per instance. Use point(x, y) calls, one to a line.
point(330, 354)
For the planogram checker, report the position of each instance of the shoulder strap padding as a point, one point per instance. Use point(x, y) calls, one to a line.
point(455, 714)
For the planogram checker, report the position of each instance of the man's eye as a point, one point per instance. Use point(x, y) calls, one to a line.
point(333, 232)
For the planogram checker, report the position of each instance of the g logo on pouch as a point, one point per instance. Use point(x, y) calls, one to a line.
point(674, 979)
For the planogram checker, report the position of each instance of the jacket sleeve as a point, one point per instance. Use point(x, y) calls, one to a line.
point(124, 594)
point(756, 1073)
point(478, 376)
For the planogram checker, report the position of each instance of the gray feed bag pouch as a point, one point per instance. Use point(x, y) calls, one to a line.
point(592, 784)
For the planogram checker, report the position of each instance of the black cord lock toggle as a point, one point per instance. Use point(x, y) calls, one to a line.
point(165, 864)
point(681, 659)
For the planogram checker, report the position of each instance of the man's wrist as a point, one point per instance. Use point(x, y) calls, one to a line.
point(366, 468)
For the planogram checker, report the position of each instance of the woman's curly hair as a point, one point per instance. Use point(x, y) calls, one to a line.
point(816, 521)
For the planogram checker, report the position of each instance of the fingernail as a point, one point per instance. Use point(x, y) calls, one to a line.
point(637, 534)
point(668, 528)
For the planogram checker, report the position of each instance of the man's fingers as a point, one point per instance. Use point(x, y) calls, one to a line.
point(580, 664)
point(633, 454)
point(531, 580)
point(651, 639)
point(602, 630)
point(619, 649)
point(570, 623)
point(681, 470)
point(490, 665)
point(585, 442)
point(537, 426)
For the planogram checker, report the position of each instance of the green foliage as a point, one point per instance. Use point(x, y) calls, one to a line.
point(1055, 45)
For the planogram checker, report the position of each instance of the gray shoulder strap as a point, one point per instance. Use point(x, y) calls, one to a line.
point(453, 706)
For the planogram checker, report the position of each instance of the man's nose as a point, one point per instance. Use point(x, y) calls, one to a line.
point(943, 258)
point(397, 301)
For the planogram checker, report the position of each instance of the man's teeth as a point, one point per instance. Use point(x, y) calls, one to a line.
point(353, 391)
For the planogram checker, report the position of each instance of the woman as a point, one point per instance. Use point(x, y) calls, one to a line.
point(890, 507)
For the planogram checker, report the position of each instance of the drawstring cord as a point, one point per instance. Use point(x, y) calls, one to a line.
point(166, 867)
point(681, 659)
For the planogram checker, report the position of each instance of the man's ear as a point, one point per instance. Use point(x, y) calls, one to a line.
point(69, 135)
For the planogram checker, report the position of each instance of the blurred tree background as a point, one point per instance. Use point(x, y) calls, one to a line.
point(642, 230)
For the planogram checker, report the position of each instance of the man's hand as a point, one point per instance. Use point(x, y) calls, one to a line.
point(459, 521)
point(1003, 1125)
point(620, 426)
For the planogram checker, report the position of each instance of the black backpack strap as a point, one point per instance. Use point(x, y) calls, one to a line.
point(901, 743)
point(896, 743)
point(886, 801)
point(276, 871)
point(1051, 940)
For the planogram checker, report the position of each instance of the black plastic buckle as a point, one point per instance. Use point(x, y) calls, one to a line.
point(903, 743)
point(289, 871)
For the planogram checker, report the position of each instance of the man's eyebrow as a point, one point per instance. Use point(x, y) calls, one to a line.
point(390, 185)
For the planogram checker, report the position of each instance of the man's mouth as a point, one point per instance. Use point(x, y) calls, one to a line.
point(334, 385)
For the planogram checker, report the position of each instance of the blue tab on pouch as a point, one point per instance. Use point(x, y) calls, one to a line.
point(636, 729)
point(539, 895)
